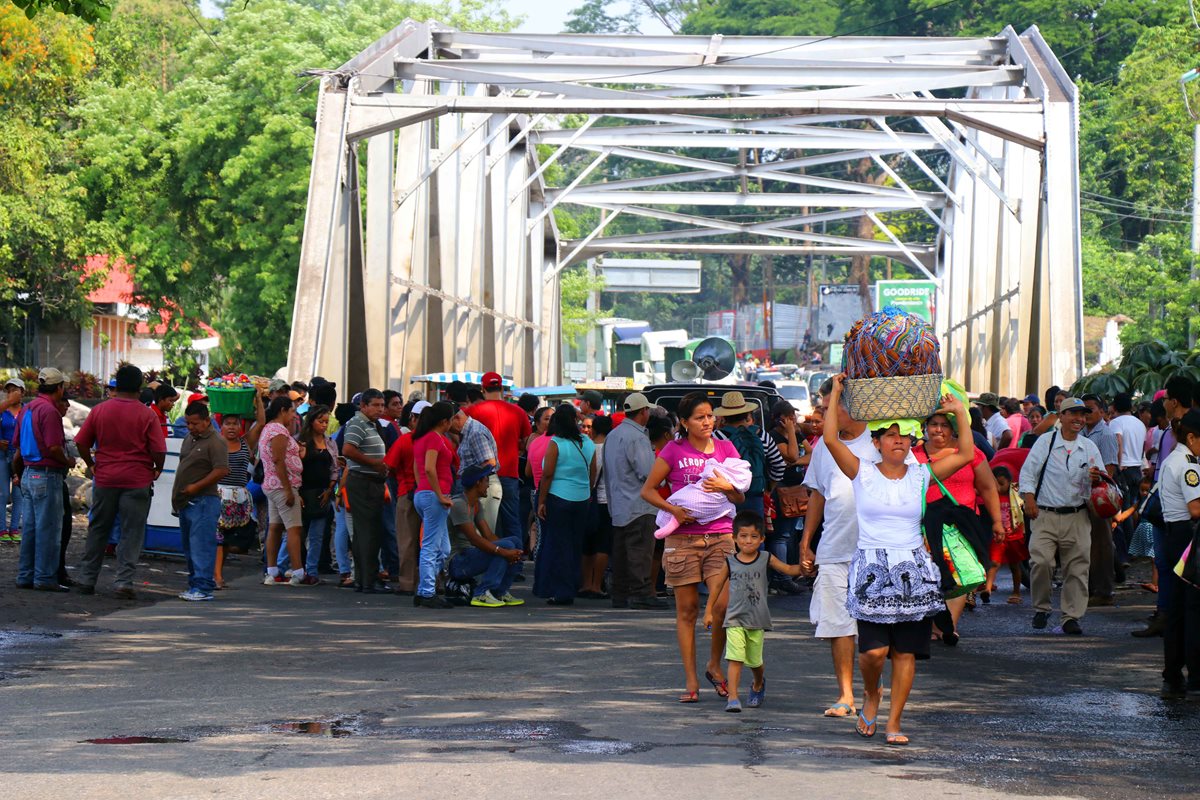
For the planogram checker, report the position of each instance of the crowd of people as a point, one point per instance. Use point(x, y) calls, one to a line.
point(449, 501)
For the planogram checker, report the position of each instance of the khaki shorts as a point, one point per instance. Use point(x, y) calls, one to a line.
point(689, 560)
point(827, 609)
point(279, 511)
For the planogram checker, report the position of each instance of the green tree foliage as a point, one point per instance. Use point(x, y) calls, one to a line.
point(44, 64)
point(1136, 165)
point(764, 18)
point(90, 10)
point(202, 185)
point(596, 16)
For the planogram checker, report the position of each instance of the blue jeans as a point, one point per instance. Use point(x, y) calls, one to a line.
point(496, 574)
point(782, 542)
point(198, 528)
point(7, 493)
point(435, 545)
point(314, 543)
point(508, 523)
point(341, 539)
point(42, 493)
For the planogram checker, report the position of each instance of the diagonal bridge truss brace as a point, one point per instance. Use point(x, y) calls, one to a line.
point(954, 156)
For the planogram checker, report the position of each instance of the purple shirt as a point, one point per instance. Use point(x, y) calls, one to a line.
point(1166, 446)
point(686, 463)
point(47, 428)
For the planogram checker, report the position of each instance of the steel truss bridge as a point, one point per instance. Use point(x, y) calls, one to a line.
point(445, 253)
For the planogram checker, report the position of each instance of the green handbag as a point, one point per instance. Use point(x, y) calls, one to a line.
point(964, 565)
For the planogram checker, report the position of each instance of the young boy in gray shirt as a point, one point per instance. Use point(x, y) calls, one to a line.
point(747, 615)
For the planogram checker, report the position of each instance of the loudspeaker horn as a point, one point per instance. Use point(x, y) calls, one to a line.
point(715, 357)
point(685, 372)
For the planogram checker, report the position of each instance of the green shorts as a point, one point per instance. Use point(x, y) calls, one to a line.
point(744, 645)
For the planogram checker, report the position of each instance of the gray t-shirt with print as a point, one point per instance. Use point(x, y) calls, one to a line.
point(748, 594)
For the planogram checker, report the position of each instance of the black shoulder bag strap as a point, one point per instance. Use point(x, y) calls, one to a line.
point(1037, 493)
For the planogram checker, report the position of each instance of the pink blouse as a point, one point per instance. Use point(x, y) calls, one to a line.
point(291, 458)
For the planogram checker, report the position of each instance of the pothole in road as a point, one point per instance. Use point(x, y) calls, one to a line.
point(333, 729)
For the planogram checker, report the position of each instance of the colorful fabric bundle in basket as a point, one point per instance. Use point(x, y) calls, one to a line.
point(891, 343)
point(893, 366)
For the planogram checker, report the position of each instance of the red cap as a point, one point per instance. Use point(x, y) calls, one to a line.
point(197, 396)
point(492, 380)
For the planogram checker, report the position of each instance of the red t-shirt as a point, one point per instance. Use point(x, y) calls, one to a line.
point(161, 416)
point(509, 426)
point(400, 458)
point(961, 484)
point(125, 435)
point(445, 462)
point(47, 432)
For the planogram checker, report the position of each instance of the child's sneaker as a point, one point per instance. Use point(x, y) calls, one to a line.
point(509, 600)
point(734, 706)
point(486, 600)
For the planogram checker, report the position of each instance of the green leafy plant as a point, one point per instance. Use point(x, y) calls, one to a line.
point(90, 10)
point(1144, 369)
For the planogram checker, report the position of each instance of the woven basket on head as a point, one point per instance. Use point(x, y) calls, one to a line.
point(904, 397)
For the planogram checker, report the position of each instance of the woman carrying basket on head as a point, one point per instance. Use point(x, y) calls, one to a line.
point(894, 585)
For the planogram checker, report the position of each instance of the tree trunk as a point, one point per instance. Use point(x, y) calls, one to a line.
point(739, 279)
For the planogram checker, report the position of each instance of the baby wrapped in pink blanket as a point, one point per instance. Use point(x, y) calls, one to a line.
point(706, 506)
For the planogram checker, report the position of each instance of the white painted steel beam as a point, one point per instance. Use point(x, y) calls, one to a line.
point(753, 199)
point(456, 262)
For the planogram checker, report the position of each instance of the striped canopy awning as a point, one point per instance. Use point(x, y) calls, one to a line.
point(451, 377)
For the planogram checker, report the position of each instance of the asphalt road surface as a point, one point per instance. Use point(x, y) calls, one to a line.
point(320, 692)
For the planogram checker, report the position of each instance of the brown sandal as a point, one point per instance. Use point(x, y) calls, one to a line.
point(690, 697)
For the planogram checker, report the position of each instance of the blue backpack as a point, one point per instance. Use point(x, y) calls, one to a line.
point(29, 447)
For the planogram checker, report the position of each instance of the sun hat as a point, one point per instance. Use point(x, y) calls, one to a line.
point(989, 399)
point(733, 404)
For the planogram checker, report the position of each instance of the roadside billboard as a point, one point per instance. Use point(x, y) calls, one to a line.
point(918, 298)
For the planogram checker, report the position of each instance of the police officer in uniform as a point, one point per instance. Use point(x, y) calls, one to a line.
point(1179, 490)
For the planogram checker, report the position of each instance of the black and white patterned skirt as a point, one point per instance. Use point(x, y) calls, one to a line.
point(888, 586)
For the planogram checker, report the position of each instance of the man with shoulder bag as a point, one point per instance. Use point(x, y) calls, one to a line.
point(1055, 483)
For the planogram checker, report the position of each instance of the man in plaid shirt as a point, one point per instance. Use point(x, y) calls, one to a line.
point(477, 448)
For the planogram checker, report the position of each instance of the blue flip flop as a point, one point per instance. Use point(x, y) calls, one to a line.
point(756, 695)
point(867, 725)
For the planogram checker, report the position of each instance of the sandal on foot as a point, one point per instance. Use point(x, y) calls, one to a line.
point(690, 697)
point(864, 727)
point(756, 695)
point(841, 710)
point(1014, 599)
point(896, 740)
point(722, 687)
